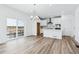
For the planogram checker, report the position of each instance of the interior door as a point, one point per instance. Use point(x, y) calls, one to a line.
point(38, 29)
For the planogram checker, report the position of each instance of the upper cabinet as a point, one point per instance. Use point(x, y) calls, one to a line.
point(51, 23)
point(43, 22)
point(57, 23)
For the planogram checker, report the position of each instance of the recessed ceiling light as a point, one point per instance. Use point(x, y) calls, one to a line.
point(31, 16)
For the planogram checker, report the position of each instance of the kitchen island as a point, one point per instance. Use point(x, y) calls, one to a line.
point(52, 33)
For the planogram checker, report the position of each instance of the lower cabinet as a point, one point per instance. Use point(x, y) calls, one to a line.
point(57, 34)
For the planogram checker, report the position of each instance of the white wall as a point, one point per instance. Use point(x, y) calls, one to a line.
point(34, 27)
point(29, 27)
point(77, 26)
point(6, 12)
point(2, 29)
point(68, 25)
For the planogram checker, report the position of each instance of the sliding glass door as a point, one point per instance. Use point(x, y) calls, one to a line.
point(20, 28)
point(11, 28)
point(15, 28)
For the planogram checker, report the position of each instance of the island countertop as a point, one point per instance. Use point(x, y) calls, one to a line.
point(52, 33)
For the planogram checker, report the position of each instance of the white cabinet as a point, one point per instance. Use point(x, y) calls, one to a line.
point(52, 33)
point(43, 22)
point(52, 30)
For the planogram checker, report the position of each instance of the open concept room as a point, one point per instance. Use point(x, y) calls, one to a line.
point(39, 28)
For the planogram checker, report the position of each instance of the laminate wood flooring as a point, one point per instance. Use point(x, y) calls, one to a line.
point(39, 45)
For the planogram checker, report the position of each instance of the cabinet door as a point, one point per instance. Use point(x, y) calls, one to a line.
point(43, 22)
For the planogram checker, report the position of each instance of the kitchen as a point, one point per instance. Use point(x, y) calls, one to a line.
point(50, 27)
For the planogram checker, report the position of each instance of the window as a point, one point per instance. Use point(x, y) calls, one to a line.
point(20, 28)
point(15, 28)
point(11, 28)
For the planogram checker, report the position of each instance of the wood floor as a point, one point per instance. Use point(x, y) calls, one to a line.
point(39, 45)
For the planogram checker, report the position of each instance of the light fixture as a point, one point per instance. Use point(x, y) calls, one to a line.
point(33, 12)
point(31, 16)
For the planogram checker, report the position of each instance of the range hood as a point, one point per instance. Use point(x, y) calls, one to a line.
point(49, 22)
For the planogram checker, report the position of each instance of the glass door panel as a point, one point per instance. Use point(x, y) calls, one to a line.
point(11, 28)
point(20, 28)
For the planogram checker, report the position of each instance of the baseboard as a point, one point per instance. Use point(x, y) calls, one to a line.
point(30, 35)
point(73, 38)
point(76, 43)
point(1, 43)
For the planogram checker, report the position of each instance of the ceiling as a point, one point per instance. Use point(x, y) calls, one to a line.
point(45, 10)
